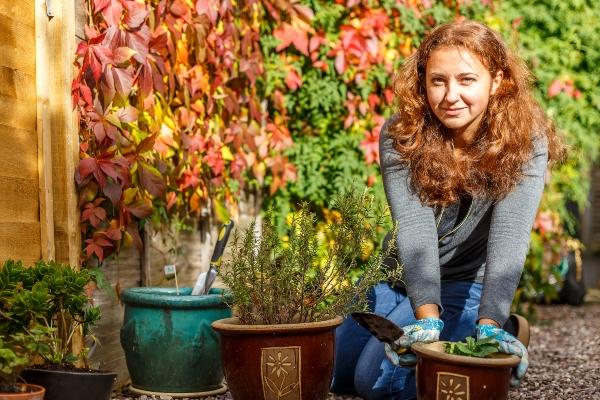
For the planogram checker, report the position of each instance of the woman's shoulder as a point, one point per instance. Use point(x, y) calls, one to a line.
point(389, 122)
point(540, 143)
point(538, 160)
point(390, 157)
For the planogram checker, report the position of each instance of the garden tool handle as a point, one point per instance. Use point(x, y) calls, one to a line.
point(221, 243)
point(216, 258)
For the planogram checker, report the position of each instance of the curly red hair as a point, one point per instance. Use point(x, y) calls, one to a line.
point(492, 164)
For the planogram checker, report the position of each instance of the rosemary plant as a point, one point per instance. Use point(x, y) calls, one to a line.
point(313, 273)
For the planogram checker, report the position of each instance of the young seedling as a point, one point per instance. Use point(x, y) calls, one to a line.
point(473, 348)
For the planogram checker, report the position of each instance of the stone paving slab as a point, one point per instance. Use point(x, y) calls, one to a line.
point(564, 358)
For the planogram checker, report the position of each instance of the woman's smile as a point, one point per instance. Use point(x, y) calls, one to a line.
point(452, 112)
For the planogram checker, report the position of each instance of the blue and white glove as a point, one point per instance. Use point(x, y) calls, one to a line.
point(424, 330)
point(509, 345)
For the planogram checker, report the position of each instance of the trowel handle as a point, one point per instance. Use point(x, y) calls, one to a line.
point(221, 243)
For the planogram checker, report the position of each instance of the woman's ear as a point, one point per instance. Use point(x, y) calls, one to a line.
point(496, 80)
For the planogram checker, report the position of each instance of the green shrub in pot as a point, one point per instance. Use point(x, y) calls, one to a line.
point(22, 338)
point(314, 272)
point(64, 312)
point(289, 293)
point(69, 310)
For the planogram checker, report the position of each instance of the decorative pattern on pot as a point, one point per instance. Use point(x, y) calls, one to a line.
point(280, 373)
point(452, 386)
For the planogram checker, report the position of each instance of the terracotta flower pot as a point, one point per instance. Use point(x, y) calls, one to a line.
point(445, 376)
point(34, 392)
point(284, 362)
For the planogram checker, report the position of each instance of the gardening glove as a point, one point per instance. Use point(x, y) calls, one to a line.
point(424, 330)
point(509, 345)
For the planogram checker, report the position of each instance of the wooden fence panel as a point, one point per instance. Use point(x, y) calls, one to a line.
point(20, 228)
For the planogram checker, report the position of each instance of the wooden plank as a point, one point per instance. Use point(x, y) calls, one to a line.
point(20, 114)
point(21, 10)
point(60, 33)
point(20, 240)
point(16, 84)
point(16, 156)
point(19, 199)
point(17, 43)
point(44, 135)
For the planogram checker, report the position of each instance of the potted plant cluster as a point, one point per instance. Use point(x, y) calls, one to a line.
point(22, 338)
point(64, 312)
point(290, 293)
point(463, 370)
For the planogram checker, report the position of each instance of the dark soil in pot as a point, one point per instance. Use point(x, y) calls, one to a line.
point(72, 384)
point(284, 362)
point(448, 376)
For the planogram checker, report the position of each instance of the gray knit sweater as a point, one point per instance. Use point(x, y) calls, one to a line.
point(487, 245)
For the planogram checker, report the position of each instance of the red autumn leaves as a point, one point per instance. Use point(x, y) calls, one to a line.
point(169, 115)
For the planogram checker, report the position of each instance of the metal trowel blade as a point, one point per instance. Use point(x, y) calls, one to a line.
point(382, 328)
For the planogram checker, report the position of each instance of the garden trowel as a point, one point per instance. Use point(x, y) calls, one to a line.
point(206, 279)
point(382, 328)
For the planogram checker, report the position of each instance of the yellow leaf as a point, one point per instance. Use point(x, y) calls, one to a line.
point(221, 211)
point(168, 121)
point(226, 153)
point(129, 195)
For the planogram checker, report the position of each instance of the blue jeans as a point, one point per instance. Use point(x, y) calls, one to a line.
point(360, 363)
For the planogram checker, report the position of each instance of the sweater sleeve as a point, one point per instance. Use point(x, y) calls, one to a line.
point(417, 244)
point(508, 242)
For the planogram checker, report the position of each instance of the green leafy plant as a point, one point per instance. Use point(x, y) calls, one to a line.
point(299, 277)
point(22, 337)
point(19, 351)
point(69, 310)
point(473, 348)
point(51, 295)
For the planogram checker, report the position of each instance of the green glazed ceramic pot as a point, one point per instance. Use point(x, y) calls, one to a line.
point(169, 345)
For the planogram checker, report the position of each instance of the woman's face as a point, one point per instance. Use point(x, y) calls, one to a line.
point(458, 89)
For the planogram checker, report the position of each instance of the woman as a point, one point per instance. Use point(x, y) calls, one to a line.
point(463, 162)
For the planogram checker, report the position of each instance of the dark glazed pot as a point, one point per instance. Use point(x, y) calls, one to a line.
point(72, 385)
point(448, 376)
point(169, 345)
point(284, 362)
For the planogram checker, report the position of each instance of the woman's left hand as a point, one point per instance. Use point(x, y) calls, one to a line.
point(509, 345)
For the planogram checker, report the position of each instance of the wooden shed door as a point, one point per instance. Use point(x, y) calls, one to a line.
point(20, 228)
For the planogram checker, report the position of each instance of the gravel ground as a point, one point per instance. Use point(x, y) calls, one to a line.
point(564, 355)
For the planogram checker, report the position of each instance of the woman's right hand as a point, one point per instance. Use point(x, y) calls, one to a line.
point(424, 330)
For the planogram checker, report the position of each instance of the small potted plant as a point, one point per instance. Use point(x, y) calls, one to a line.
point(289, 293)
point(67, 313)
point(22, 340)
point(463, 370)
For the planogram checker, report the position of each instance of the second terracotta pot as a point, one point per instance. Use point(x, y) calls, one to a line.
point(33, 392)
point(284, 362)
point(448, 376)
